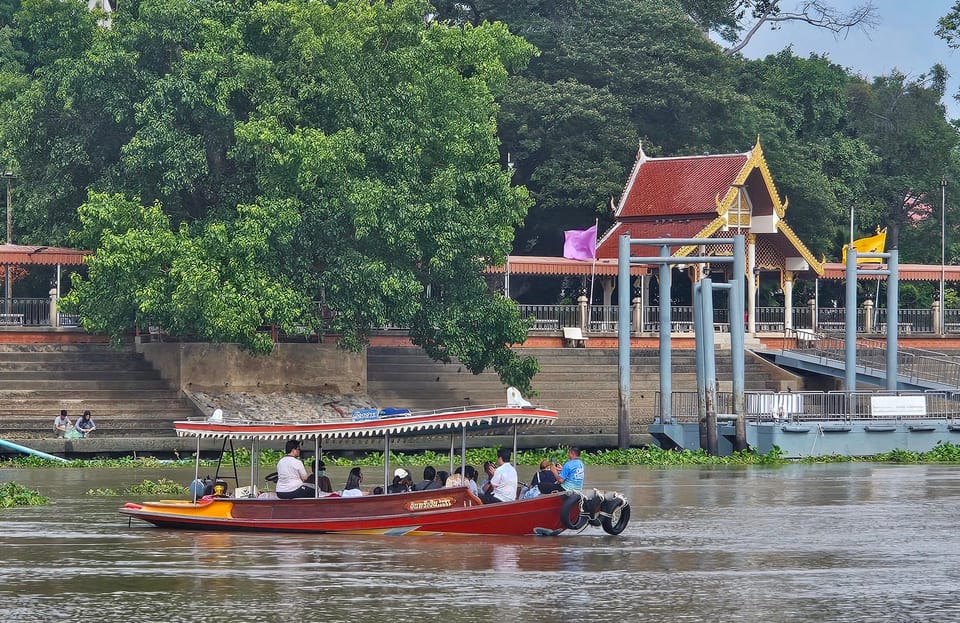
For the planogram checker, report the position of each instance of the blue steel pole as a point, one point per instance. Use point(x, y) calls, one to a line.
point(737, 339)
point(710, 365)
point(701, 363)
point(666, 359)
point(623, 341)
point(893, 316)
point(850, 336)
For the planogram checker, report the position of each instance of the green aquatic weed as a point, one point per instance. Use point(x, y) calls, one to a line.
point(14, 494)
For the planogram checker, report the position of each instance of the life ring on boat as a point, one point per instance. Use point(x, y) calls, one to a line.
point(571, 513)
point(616, 515)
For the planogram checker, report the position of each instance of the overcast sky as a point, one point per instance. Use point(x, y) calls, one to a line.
point(904, 40)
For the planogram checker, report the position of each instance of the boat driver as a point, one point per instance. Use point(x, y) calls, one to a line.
point(291, 474)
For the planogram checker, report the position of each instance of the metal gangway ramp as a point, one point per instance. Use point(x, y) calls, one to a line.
point(917, 369)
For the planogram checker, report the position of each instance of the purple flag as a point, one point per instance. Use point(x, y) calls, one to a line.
point(580, 244)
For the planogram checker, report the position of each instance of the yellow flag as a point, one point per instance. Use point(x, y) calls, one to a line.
point(871, 244)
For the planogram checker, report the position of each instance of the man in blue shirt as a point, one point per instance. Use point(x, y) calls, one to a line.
point(570, 476)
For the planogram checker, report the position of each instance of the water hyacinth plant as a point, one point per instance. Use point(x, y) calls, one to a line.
point(14, 494)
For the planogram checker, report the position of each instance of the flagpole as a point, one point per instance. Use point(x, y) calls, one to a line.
point(851, 228)
point(593, 273)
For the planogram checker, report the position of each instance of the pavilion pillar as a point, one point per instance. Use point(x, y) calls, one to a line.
point(937, 325)
point(644, 300)
point(54, 316)
point(788, 300)
point(606, 284)
point(752, 278)
point(583, 311)
point(637, 306)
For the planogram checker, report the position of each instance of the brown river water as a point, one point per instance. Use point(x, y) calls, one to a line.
point(795, 543)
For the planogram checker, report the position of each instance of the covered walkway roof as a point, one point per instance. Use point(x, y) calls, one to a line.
point(908, 272)
point(539, 265)
point(24, 255)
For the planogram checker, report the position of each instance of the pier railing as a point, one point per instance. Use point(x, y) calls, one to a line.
point(810, 406)
point(915, 364)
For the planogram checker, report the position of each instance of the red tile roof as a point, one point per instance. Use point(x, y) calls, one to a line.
point(683, 227)
point(680, 186)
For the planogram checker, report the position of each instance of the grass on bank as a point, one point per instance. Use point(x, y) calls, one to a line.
point(648, 456)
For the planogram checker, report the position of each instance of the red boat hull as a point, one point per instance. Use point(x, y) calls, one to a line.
point(436, 511)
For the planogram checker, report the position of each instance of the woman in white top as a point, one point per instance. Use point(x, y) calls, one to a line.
point(352, 488)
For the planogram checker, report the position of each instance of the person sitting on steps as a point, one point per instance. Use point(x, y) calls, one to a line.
point(61, 424)
point(85, 424)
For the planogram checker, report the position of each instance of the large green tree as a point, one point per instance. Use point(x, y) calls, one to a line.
point(243, 160)
point(904, 122)
point(609, 73)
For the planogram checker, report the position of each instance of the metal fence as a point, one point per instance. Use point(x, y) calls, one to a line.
point(550, 317)
point(809, 406)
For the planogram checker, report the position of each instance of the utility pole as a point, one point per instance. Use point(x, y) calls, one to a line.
point(7, 281)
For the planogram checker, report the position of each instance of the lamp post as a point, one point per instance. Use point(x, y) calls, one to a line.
point(943, 254)
point(7, 282)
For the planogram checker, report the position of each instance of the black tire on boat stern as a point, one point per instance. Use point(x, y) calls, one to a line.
point(619, 516)
point(570, 513)
point(593, 506)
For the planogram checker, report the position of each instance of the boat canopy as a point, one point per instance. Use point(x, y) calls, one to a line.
point(372, 424)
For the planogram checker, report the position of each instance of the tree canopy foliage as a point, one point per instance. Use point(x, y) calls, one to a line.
point(233, 162)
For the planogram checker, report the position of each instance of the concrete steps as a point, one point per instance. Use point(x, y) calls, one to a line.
point(126, 396)
point(581, 384)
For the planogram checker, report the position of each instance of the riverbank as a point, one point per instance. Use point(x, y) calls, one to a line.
point(649, 457)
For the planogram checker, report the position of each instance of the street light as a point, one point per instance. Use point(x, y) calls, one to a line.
point(943, 255)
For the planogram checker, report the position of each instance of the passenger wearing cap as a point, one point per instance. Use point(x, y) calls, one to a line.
point(318, 471)
point(401, 481)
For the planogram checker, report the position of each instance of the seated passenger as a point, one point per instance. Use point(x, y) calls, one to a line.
point(401, 481)
point(543, 480)
point(570, 476)
point(352, 488)
point(429, 479)
point(291, 474)
point(503, 481)
point(319, 469)
point(441, 479)
point(470, 479)
point(488, 468)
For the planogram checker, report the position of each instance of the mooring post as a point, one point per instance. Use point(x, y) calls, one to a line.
point(623, 341)
point(893, 317)
point(666, 355)
point(701, 362)
point(850, 326)
point(737, 340)
point(710, 366)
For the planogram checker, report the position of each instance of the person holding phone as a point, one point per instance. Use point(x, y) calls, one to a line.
point(570, 476)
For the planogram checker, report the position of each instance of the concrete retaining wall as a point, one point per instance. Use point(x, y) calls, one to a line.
point(308, 368)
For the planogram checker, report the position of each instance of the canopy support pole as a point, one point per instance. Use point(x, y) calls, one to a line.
point(316, 472)
point(196, 470)
point(386, 461)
